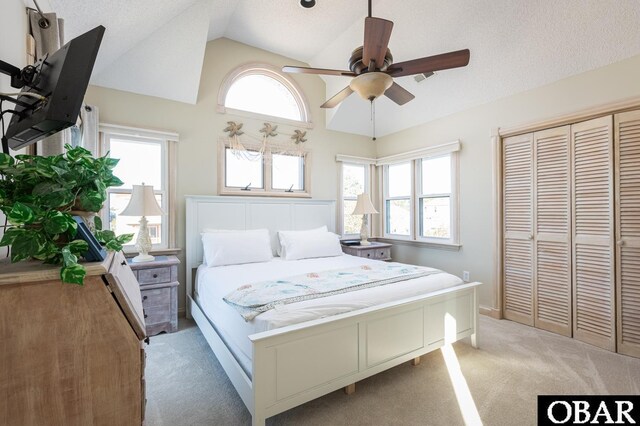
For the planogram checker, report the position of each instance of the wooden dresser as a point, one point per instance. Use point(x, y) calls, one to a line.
point(378, 251)
point(159, 288)
point(69, 354)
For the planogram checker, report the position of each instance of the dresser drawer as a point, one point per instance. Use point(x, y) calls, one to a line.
point(156, 297)
point(156, 314)
point(154, 275)
point(383, 253)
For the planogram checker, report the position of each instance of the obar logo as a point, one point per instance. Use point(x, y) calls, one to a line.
point(588, 410)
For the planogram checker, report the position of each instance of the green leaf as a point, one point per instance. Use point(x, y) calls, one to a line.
point(97, 223)
point(113, 245)
point(20, 214)
point(91, 200)
point(124, 238)
point(114, 181)
point(10, 235)
point(105, 236)
point(68, 258)
point(78, 247)
point(111, 162)
point(27, 244)
point(6, 161)
point(73, 274)
point(57, 222)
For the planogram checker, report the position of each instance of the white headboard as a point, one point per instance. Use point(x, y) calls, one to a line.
point(275, 214)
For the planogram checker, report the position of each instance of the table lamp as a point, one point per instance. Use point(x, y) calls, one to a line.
point(143, 203)
point(364, 207)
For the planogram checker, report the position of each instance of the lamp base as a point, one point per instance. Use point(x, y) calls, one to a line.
point(365, 243)
point(143, 258)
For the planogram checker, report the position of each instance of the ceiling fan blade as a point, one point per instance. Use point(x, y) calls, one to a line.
point(398, 94)
point(337, 98)
point(445, 61)
point(377, 33)
point(307, 70)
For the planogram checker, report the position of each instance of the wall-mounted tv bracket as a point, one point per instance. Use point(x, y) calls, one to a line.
point(27, 76)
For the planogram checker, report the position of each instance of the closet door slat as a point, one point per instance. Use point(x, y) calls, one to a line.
point(593, 232)
point(552, 235)
point(518, 228)
point(627, 156)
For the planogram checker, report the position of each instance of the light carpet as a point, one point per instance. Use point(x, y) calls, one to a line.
point(187, 386)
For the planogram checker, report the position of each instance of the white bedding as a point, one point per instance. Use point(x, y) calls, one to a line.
point(213, 283)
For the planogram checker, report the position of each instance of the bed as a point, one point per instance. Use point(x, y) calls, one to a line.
point(301, 351)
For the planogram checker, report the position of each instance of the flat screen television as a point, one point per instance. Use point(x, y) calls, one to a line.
point(62, 81)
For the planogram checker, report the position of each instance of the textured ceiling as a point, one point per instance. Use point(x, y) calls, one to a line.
point(515, 45)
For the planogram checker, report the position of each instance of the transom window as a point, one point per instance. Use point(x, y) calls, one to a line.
point(263, 89)
point(249, 171)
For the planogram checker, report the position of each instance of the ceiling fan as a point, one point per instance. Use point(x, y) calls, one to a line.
point(373, 69)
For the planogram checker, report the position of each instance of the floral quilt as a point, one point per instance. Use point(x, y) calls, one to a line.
point(253, 299)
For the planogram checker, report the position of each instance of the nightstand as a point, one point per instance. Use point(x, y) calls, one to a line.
point(378, 251)
point(158, 281)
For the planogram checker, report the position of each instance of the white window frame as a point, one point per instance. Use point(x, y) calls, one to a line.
point(386, 197)
point(164, 191)
point(453, 200)
point(275, 73)
point(343, 197)
point(415, 158)
point(267, 175)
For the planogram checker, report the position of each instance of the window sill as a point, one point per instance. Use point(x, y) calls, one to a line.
point(424, 244)
point(132, 252)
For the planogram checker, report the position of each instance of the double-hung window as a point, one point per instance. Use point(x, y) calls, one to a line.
point(421, 198)
point(355, 181)
point(142, 160)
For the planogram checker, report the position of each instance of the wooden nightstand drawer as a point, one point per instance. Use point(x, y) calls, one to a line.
point(383, 253)
point(154, 275)
point(376, 250)
point(156, 297)
point(156, 315)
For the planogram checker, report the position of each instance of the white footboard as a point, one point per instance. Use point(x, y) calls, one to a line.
point(295, 364)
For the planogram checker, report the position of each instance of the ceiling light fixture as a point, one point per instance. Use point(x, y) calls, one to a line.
point(371, 85)
point(307, 4)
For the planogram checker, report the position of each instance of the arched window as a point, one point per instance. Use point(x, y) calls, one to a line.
point(262, 89)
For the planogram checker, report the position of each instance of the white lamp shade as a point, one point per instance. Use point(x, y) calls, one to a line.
point(364, 205)
point(143, 202)
point(371, 85)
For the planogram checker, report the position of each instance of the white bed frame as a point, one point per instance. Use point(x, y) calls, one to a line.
point(298, 363)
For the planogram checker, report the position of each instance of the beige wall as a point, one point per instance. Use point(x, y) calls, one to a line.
point(473, 128)
point(200, 126)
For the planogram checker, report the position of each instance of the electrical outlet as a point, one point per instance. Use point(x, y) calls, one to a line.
point(465, 276)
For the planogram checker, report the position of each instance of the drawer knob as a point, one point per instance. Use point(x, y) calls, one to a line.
point(123, 263)
point(144, 297)
point(145, 315)
point(155, 275)
point(368, 254)
point(381, 253)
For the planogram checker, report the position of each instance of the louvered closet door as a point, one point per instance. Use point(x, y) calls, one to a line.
point(593, 250)
point(518, 228)
point(627, 150)
point(552, 236)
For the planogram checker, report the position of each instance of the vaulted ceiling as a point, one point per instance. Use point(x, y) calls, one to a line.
point(516, 45)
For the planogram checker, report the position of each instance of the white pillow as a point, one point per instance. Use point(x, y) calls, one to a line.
point(236, 247)
point(282, 251)
point(309, 244)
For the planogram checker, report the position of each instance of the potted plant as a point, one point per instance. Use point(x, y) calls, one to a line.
point(38, 195)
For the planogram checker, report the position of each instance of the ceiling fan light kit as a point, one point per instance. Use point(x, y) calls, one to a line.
point(372, 69)
point(371, 85)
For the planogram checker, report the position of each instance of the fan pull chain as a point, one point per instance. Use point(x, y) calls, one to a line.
point(373, 119)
